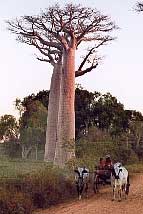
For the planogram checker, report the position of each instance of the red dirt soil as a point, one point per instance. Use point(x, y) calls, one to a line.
point(102, 203)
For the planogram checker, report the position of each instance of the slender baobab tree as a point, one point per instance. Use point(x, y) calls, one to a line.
point(54, 57)
point(53, 109)
point(64, 29)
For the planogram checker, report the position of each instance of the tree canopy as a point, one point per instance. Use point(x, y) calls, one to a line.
point(57, 27)
point(9, 129)
point(91, 109)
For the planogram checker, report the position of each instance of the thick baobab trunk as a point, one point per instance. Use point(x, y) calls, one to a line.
point(66, 118)
point(53, 108)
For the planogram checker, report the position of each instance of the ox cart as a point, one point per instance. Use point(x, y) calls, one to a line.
point(101, 177)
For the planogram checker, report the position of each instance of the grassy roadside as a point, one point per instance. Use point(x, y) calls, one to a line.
point(17, 168)
point(26, 185)
point(135, 168)
point(42, 185)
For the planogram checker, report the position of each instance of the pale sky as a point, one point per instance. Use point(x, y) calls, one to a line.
point(121, 72)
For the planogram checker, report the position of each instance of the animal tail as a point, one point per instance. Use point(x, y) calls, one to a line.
point(128, 185)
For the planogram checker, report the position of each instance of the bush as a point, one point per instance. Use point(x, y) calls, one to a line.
point(15, 203)
point(88, 153)
point(12, 149)
point(41, 189)
point(50, 187)
point(139, 152)
point(135, 168)
point(47, 185)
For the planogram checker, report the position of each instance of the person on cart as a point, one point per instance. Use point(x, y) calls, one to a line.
point(104, 168)
point(108, 162)
point(108, 166)
point(101, 167)
point(101, 164)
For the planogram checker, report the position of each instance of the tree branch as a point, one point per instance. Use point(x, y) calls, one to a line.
point(89, 53)
point(63, 28)
point(85, 59)
point(43, 59)
point(87, 70)
point(139, 6)
point(51, 60)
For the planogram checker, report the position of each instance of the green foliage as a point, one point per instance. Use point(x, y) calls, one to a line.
point(33, 126)
point(42, 96)
point(97, 135)
point(12, 149)
point(19, 106)
point(99, 117)
point(18, 168)
point(101, 110)
point(15, 203)
point(91, 109)
point(139, 152)
point(135, 168)
point(9, 129)
point(37, 184)
point(35, 115)
point(83, 107)
point(50, 186)
point(32, 136)
point(88, 153)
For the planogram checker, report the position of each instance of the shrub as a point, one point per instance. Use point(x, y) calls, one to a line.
point(88, 153)
point(12, 149)
point(15, 203)
point(135, 168)
point(139, 152)
point(39, 189)
point(49, 186)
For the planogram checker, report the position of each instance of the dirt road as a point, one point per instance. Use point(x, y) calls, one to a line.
point(102, 204)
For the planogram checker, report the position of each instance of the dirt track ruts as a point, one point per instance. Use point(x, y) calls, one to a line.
point(102, 204)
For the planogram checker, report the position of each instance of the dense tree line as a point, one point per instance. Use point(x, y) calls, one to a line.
point(92, 109)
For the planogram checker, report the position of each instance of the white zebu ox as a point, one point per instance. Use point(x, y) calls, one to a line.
point(119, 181)
point(82, 180)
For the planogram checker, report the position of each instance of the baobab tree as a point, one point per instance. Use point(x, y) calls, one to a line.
point(62, 30)
point(90, 61)
point(53, 109)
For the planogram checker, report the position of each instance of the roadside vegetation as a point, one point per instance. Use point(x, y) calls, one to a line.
point(103, 127)
point(26, 185)
point(102, 124)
